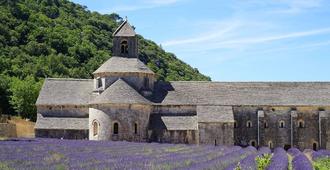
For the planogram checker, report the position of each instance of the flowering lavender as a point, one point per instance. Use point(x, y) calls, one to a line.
point(301, 162)
point(279, 160)
point(82, 154)
point(294, 152)
point(321, 154)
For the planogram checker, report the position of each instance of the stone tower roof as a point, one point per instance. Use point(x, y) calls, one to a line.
point(123, 65)
point(120, 93)
point(124, 30)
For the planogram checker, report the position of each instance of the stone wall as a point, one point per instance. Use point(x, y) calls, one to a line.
point(7, 130)
point(136, 80)
point(126, 116)
point(300, 127)
point(244, 135)
point(216, 133)
point(61, 133)
point(173, 136)
point(63, 111)
point(132, 46)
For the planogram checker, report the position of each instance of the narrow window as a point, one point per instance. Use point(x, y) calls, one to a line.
point(265, 125)
point(99, 82)
point(301, 124)
point(249, 124)
point(270, 144)
point(115, 128)
point(253, 143)
point(146, 82)
point(124, 47)
point(281, 124)
point(314, 146)
point(95, 128)
point(135, 128)
point(235, 124)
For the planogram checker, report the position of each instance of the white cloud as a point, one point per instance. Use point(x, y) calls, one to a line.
point(230, 37)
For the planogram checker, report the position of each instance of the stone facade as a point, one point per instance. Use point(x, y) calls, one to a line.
point(124, 101)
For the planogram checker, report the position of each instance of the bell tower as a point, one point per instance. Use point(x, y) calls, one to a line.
point(125, 41)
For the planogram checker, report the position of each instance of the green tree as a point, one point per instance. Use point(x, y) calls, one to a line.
point(24, 95)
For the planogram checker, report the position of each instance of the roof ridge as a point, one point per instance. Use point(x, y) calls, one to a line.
point(67, 79)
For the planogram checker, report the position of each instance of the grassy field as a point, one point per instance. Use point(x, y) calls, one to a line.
point(83, 154)
point(24, 128)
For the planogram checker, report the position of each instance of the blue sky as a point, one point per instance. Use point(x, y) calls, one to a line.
point(236, 40)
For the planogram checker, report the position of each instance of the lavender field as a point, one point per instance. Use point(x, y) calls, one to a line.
point(80, 154)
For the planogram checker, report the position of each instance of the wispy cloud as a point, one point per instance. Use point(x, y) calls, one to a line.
point(296, 6)
point(229, 37)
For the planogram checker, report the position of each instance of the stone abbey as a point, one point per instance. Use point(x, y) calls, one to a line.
point(125, 101)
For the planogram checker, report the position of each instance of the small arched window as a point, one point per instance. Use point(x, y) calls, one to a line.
point(124, 47)
point(253, 143)
point(265, 124)
point(115, 128)
point(135, 128)
point(249, 124)
point(301, 124)
point(270, 144)
point(314, 146)
point(281, 124)
point(95, 125)
point(235, 124)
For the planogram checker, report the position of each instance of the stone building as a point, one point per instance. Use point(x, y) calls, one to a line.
point(125, 101)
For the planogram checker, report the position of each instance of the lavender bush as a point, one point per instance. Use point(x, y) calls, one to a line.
point(301, 162)
point(82, 154)
point(279, 160)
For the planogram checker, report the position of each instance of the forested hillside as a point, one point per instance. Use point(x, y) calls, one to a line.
point(58, 38)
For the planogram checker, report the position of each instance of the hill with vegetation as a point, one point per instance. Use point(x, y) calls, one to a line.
point(58, 38)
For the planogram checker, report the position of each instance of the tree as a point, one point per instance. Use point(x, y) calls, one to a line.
point(4, 94)
point(24, 95)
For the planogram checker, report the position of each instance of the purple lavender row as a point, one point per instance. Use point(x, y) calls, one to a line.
point(300, 161)
point(279, 161)
point(321, 154)
point(250, 161)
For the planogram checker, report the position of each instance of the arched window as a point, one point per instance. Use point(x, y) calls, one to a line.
point(135, 128)
point(301, 124)
point(249, 124)
point(115, 128)
point(95, 125)
point(235, 124)
point(124, 47)
point(265, 125)
point(314, 146)
point(281, 124)
point(253, 143)
point(270, 144)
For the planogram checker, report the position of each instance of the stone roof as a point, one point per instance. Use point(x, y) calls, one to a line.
point(244, 93)
point(180, 122)
point(161, 122)
point(120, 93)
point(125, 30)
point(61, 123)
point(215, 114)
point(122, 65)
point(66, 92)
